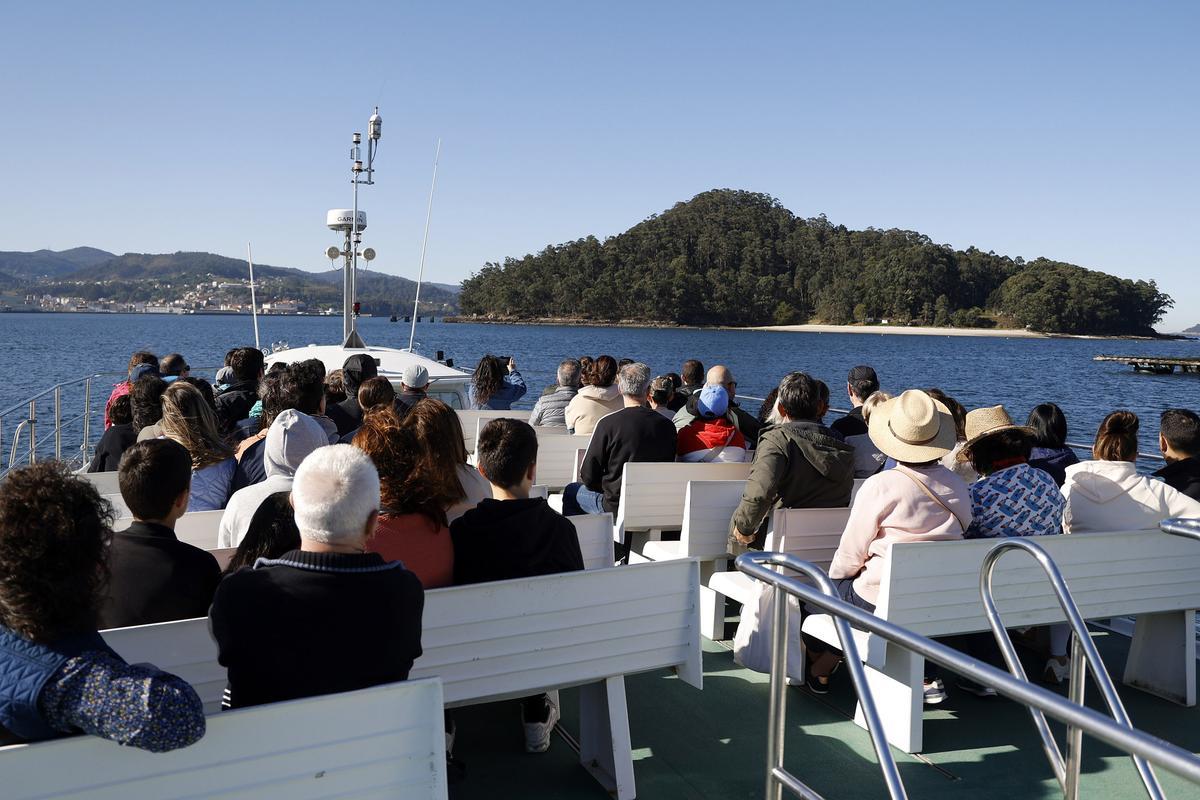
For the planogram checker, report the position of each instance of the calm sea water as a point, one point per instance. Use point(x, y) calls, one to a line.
point(38, 350)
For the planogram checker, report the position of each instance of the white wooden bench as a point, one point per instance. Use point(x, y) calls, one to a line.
point(105, 482)
point(652, 493)
point(472, 420)
point(595, 539)
point(932, 588)
point(708, 507)
point(512, 639)
point(557, 457)
point(812, 534)
point(386, 741)
point(197, 528)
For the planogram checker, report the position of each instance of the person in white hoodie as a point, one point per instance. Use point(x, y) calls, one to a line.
point(290, 439)
point(598, 398)
point(1108, 494)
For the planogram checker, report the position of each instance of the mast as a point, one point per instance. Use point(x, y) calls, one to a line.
point(412, 334)
point(253, 301)
point(354, 237)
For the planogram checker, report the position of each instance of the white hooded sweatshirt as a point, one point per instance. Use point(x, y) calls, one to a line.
point(1112, 496)
point(291, 437)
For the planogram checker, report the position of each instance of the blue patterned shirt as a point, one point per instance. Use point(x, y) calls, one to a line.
point(1015, 501)
point(132, 704)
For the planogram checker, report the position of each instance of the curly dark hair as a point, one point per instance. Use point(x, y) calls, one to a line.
point(55, 530)
point(406, 486)
point(488, 378)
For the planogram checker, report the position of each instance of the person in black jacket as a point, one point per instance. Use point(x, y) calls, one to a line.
point(513, 535)
point(635, 433)
point(327, 617)
point(861, 383)
point(347, 415)
point(156, 577)
point(1179, 441)
point(117, 439)
point(234, 404)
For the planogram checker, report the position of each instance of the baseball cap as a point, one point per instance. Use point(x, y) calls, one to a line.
point(141, 371)
point(415, 376)
point(713, 402)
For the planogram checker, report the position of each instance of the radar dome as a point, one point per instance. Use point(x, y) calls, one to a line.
point(342, 219)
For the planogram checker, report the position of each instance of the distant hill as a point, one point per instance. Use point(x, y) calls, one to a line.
point(144, 277)
point(48, 263)
point(729, 257)
point(1193, 329)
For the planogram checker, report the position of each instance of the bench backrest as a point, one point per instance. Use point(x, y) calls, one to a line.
point(105, 482)
point(652, 493)
point(495, 641)
point(556, 458)
point(812, 534)
point(386, 741)
point(708, 507)
point(595, 533)
point(933, 587)
point(197, 528)
point(471, 421)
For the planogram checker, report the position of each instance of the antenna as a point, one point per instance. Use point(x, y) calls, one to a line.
point(412, 334)
point(253, 301)
point(357, 223)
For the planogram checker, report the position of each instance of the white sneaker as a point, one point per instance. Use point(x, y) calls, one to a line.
point(935, 692)
point(537, 734)
point(1056, 671)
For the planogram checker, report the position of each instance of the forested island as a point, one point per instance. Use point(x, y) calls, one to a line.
point(739, 258)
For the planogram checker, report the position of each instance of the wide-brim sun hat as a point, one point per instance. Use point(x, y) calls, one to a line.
point(985, 421)
point(913, 428)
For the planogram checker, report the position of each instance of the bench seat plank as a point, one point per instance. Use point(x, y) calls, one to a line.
point(387, 741)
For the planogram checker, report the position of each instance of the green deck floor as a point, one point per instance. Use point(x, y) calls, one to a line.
point(690, 744)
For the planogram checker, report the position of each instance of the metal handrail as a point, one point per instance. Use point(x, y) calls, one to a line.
point(777, 776)
point(1083, 651)
point(1178, 526)
point(1131, 740)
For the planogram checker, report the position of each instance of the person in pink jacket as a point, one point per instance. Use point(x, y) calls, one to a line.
point(918, 501)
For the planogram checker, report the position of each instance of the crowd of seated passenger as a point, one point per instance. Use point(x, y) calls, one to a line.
point(336, 543)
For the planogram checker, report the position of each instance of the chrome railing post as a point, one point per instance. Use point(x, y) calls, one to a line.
point(1087, 653)
point(86, 446)
point(58, 422)
point(777, 708)
point(758, 565)
point(1075, 692)
point(33, 431)
point(1178, 526)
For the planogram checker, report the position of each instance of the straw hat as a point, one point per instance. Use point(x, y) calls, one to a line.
point(985, 421)
point(913, 428)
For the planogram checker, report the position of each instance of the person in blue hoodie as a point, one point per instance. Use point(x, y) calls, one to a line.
point(1050, 452)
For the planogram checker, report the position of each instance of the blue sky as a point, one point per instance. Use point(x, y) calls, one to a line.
point(1067, 130)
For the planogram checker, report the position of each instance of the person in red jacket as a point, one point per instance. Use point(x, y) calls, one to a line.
point(711, 436)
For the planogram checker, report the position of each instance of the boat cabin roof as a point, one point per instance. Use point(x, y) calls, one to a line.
point(391, 361)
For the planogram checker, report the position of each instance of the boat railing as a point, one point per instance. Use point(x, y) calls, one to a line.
point(1179, 526)
point(763, 567)
point(62, 422)
point(1083, 653)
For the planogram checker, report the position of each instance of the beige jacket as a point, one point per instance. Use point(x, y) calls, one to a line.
point(592, 403)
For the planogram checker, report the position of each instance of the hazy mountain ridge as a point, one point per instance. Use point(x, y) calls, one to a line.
point(139, 277)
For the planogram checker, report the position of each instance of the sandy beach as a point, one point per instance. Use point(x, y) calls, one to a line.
point(904, 330)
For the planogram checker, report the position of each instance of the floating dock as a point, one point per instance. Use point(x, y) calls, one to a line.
point(1156, 365)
